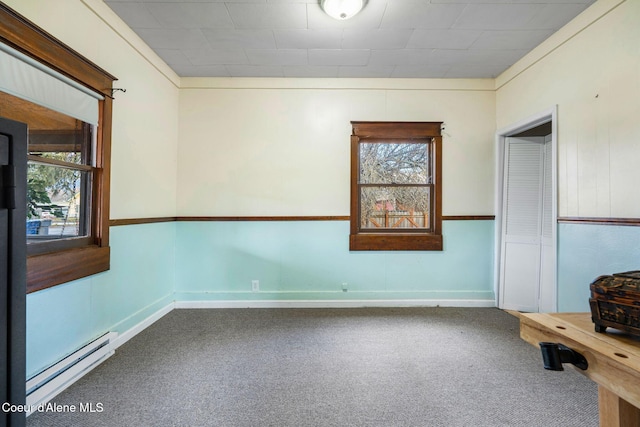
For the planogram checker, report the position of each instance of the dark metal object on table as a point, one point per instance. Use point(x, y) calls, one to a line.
point(554, 355)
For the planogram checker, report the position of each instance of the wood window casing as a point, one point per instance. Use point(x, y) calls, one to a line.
point(430, 237)
point(76, 258)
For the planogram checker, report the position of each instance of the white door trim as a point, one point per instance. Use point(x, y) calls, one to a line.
point(550, 114)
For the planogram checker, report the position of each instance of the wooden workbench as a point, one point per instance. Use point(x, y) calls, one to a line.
point(614, 360)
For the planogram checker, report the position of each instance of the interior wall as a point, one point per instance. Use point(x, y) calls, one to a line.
point(263, 124)
point(309, 261)
point(281, 146)
point(143, 184)
point(258, 148)
point(145, 118)
point(140, 283)
point(265, 147)
point(594, 78)
point(591, 71)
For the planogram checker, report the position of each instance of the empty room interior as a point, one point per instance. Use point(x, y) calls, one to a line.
point(246, 213)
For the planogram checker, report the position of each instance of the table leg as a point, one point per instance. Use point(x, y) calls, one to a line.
point(615, 411)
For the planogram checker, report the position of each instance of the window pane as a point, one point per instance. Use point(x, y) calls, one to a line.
point(389, 208)
point(57, 200)
point(394, 163)
point(58, 197)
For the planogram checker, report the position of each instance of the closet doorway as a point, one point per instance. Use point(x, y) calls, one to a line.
point(526, 216)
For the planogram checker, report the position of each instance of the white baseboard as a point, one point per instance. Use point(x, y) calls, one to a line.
point(132, 332)
point(335, 303)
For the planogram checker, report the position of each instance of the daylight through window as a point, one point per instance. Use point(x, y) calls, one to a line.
point(58, 183)
point(395, 186)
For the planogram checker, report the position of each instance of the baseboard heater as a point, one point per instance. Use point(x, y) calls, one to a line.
point(46, 385)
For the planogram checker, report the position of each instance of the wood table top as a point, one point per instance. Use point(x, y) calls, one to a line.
point(613, 356)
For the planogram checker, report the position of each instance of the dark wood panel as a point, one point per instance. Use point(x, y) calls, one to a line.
point(396, 129)
point(38, 118)
point(45, 271)
point(436, 152)
point(102, 178)
point(134, 221)
point(45, 246)
point(469, 218)
point(395, 242)
point(601, 221)
point(262, 218)
point(354, 196)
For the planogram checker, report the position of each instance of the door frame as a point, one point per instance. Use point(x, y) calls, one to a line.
point(551, 114)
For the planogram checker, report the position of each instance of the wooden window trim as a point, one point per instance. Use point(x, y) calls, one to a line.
point(396, 241)
point(50, 269)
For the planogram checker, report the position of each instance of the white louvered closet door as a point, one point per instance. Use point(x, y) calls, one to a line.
point(523, 197)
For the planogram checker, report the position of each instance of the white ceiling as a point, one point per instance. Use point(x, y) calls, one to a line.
point(389, 38)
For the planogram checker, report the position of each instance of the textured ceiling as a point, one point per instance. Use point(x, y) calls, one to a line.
point(389, 38)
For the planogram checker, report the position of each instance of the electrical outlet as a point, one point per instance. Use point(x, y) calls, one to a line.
point(344, 287)
point(255, 286)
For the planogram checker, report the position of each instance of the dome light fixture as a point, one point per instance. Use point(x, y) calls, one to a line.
point(342, 9)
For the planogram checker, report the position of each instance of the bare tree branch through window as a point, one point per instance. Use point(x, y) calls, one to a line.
point(396, 186)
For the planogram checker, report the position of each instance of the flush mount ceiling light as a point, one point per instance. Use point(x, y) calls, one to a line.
point(342, 9)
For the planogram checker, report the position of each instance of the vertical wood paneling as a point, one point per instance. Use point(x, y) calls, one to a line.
point(592, 76)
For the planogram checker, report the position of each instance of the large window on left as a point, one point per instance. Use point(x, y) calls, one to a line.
point(66, 102)
point(60, 173)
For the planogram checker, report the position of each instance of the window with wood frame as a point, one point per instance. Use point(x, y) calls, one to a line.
point(396, 186)
point(60, 174)
point(69, 158)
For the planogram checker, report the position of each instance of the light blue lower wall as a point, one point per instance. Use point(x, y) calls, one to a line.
point(309, 260)
point(586, 251)
point(63, 318)
point(154, 264)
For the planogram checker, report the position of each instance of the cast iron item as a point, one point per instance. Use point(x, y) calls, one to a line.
point(554, 355)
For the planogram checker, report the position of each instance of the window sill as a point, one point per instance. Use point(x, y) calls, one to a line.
point(47, 270)
point(395, 242)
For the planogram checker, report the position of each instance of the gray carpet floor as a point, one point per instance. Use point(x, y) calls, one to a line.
point(329, 367)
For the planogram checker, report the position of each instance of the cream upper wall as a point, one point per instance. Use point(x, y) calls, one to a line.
point(145, 118)
point(591, 71)
point(281, 146)
point(252, 147)
point(258, 146)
